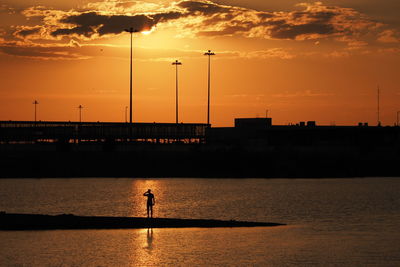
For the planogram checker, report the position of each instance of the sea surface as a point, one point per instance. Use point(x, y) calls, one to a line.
point(330, 222)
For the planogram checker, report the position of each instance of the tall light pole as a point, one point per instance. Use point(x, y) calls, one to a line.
point(131, 31)
point(176, 63)
point(35, 103)
point(209, 54)
point(80, 113)
point(126, 114)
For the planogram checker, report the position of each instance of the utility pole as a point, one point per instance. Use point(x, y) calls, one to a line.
point(131, 31)
point(80, 113)
point(378, 112)
point(176, 63)
point(35, 103)
point(209, 54)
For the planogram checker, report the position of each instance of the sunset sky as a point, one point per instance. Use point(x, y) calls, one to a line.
point(300, 60)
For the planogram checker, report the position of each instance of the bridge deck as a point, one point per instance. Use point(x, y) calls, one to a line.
point(28, 131)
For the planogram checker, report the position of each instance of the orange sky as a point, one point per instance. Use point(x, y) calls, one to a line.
point(300, 61)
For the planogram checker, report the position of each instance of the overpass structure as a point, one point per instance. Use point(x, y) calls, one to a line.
point(253, 148)
point(73, 132)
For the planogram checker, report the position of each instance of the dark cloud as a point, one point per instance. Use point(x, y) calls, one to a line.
point(203, 8)
point(86, 31)
point(91, 22)
point(300, 23)
point(163, 17)
point(51, 38)
point(209, 19)
point(315, 21)
point(318, 16)
point(288, 31)
point(264, 15)
point(28, 31)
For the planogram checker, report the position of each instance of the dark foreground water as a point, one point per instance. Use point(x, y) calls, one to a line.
point(331, 222)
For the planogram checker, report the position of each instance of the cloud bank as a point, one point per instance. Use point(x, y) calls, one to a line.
point(314, 21)
point(202, 19)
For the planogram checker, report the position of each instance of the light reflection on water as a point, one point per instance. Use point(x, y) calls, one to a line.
point(343, 222)
point(279, 246)
point(150, 238)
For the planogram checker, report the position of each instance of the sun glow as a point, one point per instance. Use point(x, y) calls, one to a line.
point(148, 31)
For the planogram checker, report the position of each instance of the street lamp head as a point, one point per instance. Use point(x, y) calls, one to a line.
point(209, 53)
point(131, 30)
point(176, 63)
point(35, 102)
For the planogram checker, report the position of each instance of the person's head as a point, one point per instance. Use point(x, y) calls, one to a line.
point(149, 190)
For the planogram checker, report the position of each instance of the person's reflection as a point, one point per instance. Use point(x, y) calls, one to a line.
point(149, 239)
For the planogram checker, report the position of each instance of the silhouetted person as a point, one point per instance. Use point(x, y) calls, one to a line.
point(151, 201)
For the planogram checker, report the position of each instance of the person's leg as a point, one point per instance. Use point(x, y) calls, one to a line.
point(151, 211)
point(148, 207)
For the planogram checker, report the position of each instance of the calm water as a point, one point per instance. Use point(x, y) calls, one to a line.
point(333, 222)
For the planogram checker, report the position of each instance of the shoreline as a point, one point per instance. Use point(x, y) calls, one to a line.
point(17, 221)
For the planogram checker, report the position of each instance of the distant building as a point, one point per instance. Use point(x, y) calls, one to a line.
point(259, 133)
point(254, 123)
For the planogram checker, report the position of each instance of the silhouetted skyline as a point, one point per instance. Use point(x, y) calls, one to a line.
point(320, 61)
